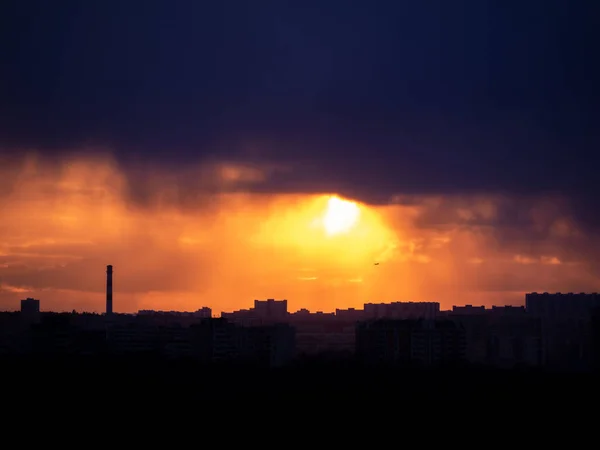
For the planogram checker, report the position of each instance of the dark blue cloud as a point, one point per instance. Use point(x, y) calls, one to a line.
point(367, 98)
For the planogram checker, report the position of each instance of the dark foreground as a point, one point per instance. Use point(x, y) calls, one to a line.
point(147, 402)
point(137, 376)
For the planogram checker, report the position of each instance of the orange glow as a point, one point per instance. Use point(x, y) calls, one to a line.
point(341, 215)
point(214, 243)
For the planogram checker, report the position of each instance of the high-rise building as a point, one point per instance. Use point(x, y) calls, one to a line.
point(30, 310)
point(271, 309)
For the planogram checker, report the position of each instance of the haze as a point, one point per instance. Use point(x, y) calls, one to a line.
point(63, 222)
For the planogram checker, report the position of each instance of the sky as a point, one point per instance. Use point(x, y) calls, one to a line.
point(205, 149)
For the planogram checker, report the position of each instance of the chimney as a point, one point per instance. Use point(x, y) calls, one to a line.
point(109, 305)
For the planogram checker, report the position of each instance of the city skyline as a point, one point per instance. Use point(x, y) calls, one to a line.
point(424, 309)
point(552, 331)
point(322, 209)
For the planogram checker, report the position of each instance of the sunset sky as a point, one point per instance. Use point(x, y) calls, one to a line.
point(219, 154)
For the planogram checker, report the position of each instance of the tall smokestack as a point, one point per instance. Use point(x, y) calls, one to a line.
point(109, 308)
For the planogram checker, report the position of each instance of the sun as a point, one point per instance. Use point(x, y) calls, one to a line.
point(340, 216)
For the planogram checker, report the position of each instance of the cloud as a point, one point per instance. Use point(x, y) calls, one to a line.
point(214, 236)
point(14, 289)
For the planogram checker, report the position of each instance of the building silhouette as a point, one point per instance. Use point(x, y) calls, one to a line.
point(30, 310)
point(418, 342)
point(109, 291)
point(567, 327)
point(555, 331)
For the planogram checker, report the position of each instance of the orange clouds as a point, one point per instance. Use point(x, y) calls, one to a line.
point(203, 238)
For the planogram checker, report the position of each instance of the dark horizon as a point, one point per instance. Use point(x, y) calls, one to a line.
point(201, 307)
point(551, 332)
